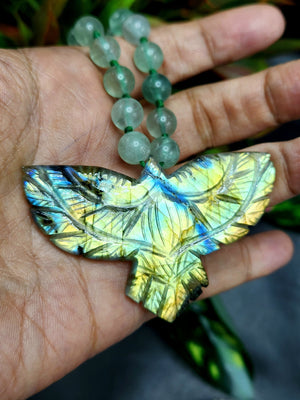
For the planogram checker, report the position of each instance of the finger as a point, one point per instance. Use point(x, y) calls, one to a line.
point(286, 159)
point(249, 258)
point(192, 47)
point(233, 110)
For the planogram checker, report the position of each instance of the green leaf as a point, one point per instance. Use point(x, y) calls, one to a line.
point(45, 22)
point(77, 8)
point(5, 41)
point(286, 214)
point(204, 336)
point(25, 32)
point(216, 150)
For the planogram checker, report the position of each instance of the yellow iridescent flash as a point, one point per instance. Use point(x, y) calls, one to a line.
point(164, 224)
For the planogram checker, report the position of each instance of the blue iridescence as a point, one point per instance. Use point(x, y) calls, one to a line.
point(164, 224)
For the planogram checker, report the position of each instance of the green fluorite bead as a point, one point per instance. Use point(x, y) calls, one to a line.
point(135, 27)
point(148, 56)
point(156, 87)
point(117, 19)
point(118, 81)
point(104, 50)
point(127, 112)
point(134, 147)
point(165, 151)
point(84, 29)
point(161, 121)
point(71, 40)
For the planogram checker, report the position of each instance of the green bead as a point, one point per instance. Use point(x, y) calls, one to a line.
point(156, 87)
point(161, 121)
point(71, 40)
point(148, 56)
point(134, 147)
point(127, 112)
point(84, 29)
point(117, 19)
point(135, 27)
point(165, 151)
point(103, 50)
point(118, 81)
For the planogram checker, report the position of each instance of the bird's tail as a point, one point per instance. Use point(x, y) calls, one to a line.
point(165, 291)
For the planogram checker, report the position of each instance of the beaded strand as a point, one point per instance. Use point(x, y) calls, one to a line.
point(127, 113)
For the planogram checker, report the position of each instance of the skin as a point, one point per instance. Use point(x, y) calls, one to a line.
point(57, 310)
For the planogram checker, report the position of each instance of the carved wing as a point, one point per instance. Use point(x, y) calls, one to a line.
point(85, 210)
point(208, 201)
point(226, 192)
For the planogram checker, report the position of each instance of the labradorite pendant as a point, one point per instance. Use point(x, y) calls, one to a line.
point(164, 224)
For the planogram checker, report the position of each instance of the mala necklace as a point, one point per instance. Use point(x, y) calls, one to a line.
point(163, 223)
point(127, 113)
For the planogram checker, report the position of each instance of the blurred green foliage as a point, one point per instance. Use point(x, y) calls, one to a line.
point(203, 335)
point(39, 22)
point(286, 214)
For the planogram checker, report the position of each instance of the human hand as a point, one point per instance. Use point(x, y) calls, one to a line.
point(57, 310)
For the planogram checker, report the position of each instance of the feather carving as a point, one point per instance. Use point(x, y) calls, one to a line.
point(164, 224)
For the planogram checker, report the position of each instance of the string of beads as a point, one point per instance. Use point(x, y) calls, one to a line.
point(127, 113)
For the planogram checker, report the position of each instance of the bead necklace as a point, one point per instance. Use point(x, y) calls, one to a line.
point(163, 223)
point(127, 113)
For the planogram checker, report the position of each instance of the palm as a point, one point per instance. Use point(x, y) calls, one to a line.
point(63, 309)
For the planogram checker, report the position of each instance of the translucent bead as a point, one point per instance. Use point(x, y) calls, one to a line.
point(165, 151)
point(103, 50)
point(135, 27)
point(134, 147)
point(84, 30)
point(156, 87)
point(127, 112)
point(117, 19)
point(71, 41)
point(118, 80)
point(148, 56)
point(161, 121)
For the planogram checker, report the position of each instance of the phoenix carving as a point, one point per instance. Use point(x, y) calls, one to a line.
point(164, 224)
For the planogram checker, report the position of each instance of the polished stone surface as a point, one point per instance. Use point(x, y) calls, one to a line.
point(162, 223)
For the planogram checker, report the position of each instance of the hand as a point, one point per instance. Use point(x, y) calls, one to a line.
point(57, 310)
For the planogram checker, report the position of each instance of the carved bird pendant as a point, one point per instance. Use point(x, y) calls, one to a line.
point(164, 224)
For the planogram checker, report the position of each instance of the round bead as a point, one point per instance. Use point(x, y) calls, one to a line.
point(117, 19)
point(161, 121)
point(118, 81)
point(165, 151)
point(148, 56)
point(134, 147)
point(71, 41)
point(84, 29)
point(127, 112)
point(135, 27)
point(103, 50)
point(156, 87)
